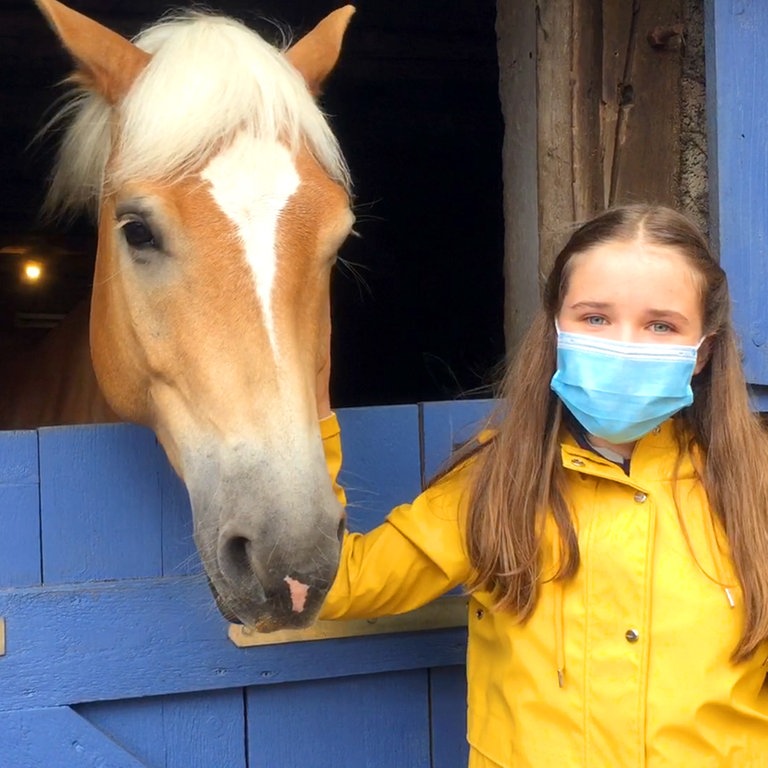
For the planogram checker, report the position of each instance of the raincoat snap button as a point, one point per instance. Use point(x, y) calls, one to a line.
point(578, 463)
point(640, 497)
point(479, 613)
point(632, 635)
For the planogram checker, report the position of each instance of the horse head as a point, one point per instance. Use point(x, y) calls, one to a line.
point(222, 198)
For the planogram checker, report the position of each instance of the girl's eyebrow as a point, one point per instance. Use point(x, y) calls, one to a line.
point(669, 313)
point(591, 305)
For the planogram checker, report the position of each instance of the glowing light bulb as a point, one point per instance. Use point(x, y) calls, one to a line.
point(32, 271)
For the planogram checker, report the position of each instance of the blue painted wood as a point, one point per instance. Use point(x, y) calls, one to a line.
point(381, 461)
point(19, 510)
point(145, 657)
point(180, 556)
point(371, 721)
point(101, 503)
point(758, 398)
point(58, 738)
point(737, 94)
point(198, 730)
point(144, 637)
point(448, 697)
point(446, 425)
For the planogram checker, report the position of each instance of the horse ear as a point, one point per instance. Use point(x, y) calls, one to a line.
point(107, 63)
point(316, 54)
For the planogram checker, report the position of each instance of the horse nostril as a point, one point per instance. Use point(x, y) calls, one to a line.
point(234, 559)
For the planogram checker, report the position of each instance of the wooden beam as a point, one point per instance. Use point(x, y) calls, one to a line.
point(516, 34)
point(646, 157)
point(446, 613)
point(554, 40)
point(587, 79)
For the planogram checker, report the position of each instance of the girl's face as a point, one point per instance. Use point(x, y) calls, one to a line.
point(631, 291)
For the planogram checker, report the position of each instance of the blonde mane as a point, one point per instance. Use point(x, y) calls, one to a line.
point(209, 77)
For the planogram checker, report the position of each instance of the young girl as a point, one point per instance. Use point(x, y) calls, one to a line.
point(613, 530)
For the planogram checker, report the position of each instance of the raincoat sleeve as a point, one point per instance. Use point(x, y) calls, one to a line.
point(331, 435)
point(416, 555)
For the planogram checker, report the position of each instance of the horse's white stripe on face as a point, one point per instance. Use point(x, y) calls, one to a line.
point(251, 181)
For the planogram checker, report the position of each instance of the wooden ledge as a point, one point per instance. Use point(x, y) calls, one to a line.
point(445, 613)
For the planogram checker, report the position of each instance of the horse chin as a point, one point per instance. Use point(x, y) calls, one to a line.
point(272, 624)
point(268, 616)
point(224, 608)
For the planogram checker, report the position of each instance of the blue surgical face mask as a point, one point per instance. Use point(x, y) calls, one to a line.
point(622, 390)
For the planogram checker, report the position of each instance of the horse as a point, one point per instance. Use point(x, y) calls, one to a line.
point(222, 198)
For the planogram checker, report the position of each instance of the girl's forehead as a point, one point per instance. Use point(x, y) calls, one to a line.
point(633, 264)
point(633, 280)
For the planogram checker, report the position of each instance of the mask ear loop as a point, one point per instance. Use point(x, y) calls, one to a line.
point(707, 353)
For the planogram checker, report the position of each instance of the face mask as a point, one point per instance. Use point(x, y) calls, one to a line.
point(622, 390)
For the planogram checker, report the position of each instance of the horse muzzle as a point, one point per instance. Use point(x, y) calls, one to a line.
point(293, 604)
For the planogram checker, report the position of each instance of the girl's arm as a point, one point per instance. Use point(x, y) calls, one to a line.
point(416, 555)
point(331, 435)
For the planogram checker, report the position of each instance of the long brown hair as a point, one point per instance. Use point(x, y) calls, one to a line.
point(519, 478)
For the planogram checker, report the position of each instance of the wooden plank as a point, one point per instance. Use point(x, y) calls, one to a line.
point(58, 738)
point(101, 503)
point(448, 716)
point(198, 730)
point(444, 613)
point(617, 34)
point(516, 33)
point(143, 637)
point(381, 461)
point(19, 510)
point(647, 151)
point(737, 92)
point(555, 124)
point(586, 88)
point(373, 721)
point(445, 426)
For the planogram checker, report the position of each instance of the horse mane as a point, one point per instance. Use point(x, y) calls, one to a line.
point(209, 77)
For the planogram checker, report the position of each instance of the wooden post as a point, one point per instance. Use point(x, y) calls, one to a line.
point(643, 68)
point(516, 34)
point(569, 45)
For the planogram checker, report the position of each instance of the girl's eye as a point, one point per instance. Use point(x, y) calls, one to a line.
point(595, 320)
point(661, 327)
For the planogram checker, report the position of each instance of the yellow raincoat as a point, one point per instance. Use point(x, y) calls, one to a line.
point(625, 665)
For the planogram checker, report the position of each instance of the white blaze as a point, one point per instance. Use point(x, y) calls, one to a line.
point(251, 181)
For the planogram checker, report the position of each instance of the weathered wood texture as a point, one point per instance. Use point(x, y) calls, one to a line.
point(597, 120)
point(516, 32)
point(645, 164)
point(568, 48)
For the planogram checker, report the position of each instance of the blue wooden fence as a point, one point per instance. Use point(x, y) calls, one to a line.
point(112, 653)
point(737, 114)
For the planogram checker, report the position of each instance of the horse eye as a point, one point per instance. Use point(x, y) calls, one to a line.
point(138, 235)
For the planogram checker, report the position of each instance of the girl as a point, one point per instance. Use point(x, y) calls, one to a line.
point(612, 532)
